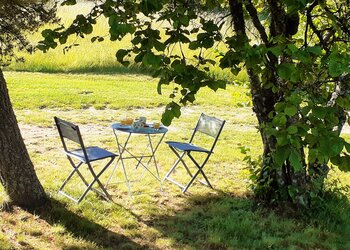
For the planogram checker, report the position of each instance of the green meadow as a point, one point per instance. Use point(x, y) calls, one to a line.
point(87, 87)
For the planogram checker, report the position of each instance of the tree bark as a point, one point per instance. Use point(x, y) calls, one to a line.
point(17, 173)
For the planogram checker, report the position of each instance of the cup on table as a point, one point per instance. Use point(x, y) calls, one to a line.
point(137, 124)
point(156, 125)
point(142, 120)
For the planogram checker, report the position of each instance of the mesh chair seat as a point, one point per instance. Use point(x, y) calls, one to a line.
point(93, 154)
point(183, 146)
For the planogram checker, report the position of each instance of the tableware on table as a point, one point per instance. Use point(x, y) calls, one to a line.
point(137, 124)
point(156, 125)
point(142, 119)
point(129, 121)
point(126, 121)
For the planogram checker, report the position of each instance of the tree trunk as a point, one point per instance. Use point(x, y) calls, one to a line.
point(273, 183)
point(17, 173)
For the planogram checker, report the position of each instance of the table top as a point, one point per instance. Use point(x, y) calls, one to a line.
point(144, 130)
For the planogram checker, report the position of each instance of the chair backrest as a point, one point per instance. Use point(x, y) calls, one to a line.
point(210, 126)
point(71, 132)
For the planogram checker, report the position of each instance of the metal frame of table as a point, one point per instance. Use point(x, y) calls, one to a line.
point(122, 149)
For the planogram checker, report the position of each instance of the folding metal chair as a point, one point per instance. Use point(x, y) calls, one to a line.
point(207, 125)
point(84, 155)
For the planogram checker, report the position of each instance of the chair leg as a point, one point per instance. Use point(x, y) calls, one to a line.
point(78, 172)
point(175, 164)
point(180, 159)
point(200, 168)
point(75, 169)
point(193, 177)
point(190, 183)
point(99, 182)
point(96, 179)
point(88, 185)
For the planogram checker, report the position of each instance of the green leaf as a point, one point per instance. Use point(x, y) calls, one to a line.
point(207, 43)
point(120, 56)
point(279, 120)
point(63, 39)
point(292, 130)
point(284, 71)
point(86, 28)
point(193, 45)
point(279, 106)
point(276, 50)
point(319, 112)
point(338, 63)
point(151, 59)
point(292, 191)
point(295, 161)
point(69, 2)
point(215, 85)
point(288, 71)
point(176, 108)
point(316, 50)
point(118, 29)
point(347, 146)
point(281, 155)
point(93, 39)
point(167, 117)
point(343, 162)
point(282, 140)
point(335, 147)
point(210, 26)
point(159, 46)
point(159, 88)
point(172, 110)
point(313, 153)
point(149, 6)
point(184, 20)
point(178, 66)
point(190, 97)
point(335, 68)
point(292, 48)
point(295, 98)
point(290, 110)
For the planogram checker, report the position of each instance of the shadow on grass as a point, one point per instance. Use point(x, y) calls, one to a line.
point(220, 221)
point(83, 228)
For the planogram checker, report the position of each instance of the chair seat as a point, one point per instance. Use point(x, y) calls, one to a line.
point(183, 146)
point(93, 153)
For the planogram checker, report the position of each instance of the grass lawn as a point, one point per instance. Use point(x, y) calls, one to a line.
point(223, 218)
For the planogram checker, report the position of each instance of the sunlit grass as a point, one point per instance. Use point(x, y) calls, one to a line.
point(65, 91)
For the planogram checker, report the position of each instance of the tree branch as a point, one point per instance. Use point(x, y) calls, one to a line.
point(309, 19)
point(278, 17)
point(237, 14)
point(254, 15)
